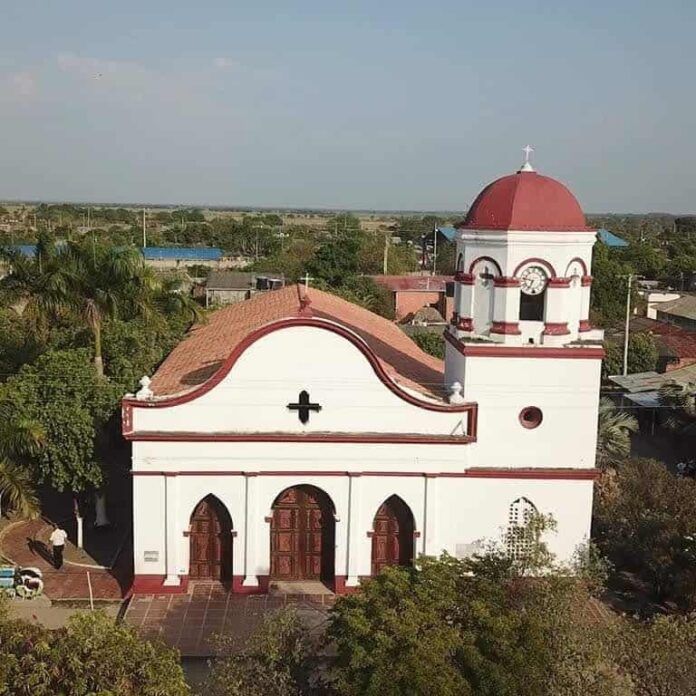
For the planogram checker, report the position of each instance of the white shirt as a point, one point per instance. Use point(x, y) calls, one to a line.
point(58, 537)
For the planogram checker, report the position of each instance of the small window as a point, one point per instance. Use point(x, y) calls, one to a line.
point(519, 538)
point(449, 289)
point(532, 306)
point(531, 417)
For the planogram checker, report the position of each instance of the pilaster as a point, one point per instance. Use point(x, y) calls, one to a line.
point(353, 530)
point(505, 327)
point(251, 523)
point(556, 331)
point(173, 532)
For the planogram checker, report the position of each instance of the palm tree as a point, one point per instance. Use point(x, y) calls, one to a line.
point(101, 282)
point(35, 285)
point(613, 433)
point(20, 438)
point(679, 407)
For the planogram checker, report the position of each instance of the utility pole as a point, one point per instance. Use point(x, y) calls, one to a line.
point(144, 231)
point(628, 323)
point(385, 264)
point(435, 231)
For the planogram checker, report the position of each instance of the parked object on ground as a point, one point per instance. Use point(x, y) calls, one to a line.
point(21, 582)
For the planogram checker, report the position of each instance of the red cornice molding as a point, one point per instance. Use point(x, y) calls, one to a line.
point(586, 281)
point(584, 325)
point(130, 403)
point(506, 282)
point(372, 438)
point(538, 473)
point(556, 328)
point(488, 350)
point(464, 278)
point(464, 324)
point(559, 282)
point(507, 328)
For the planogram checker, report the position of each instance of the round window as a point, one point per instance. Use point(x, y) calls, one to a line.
point(531, 417)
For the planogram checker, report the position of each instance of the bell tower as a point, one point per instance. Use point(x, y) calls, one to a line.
point(520, 340)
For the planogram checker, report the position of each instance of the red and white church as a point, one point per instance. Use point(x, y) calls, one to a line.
point(296, 436)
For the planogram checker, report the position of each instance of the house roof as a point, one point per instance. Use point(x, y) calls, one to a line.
point(610, 239)
point(413, 283)
point(672, 340)
point(236, 280)
point(683, 307)
point(206, 346)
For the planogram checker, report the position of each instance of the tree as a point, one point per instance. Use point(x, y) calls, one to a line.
point(608, 299)
point(337, 258)
point(614, 430)
point(642, 355)
point(644, 522)
point(430, 342)
point(278, 660)
point(101, 282)
point(62, 393)
point(363, 291)
point(91, 655)
point(678, 402)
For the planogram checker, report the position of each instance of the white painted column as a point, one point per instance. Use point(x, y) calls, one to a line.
point(353, 531)
point(430, 546)
point(463, 319)
point(556, 331)
point(251, 524)
point(172, 530)
point(586, 291)
point(506, 311)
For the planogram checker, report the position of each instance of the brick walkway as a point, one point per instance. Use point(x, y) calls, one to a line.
point(189, 621)
point(21, 543)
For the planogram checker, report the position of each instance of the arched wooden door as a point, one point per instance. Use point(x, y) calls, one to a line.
point(392, 537)
point(210, 538)
point(303, 531)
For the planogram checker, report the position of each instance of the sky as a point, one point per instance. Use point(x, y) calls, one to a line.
point(353, 105)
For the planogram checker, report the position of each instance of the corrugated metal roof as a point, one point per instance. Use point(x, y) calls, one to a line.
point(610, 239)
point(683, 307)
point(447, 232)
point(182, 253)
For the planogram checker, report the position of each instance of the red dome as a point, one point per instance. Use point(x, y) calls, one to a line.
point(525, 201)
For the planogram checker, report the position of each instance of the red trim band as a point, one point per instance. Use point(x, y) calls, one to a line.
point(584, 325)
point(506, 282)
point(508, 328)
point(464, 278)
point(465, 324)
point(559, 282)
point(556, 328)
point(372, 438)
point(480, 350)
point(586, 281)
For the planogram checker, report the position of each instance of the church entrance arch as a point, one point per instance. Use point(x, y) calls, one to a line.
point(303, 532)
point(210, 541)
point(392, 537)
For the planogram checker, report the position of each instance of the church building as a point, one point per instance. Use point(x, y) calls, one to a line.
point(297, 436)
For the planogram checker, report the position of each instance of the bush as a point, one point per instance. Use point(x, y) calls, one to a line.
point(430, 342)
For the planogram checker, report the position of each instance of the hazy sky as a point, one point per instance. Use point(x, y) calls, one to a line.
point(371, 104)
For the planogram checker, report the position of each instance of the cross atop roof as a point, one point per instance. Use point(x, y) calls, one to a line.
point(527, 166)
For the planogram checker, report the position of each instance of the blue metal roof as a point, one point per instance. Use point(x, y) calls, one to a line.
point(610, 239)
point(447, 232)
point(182, 253)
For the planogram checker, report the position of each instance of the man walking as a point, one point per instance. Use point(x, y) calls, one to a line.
point(57, 539)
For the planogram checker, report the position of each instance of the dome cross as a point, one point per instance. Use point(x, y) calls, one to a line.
point(527, 166)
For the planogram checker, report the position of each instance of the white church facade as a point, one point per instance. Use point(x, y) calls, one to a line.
point(296, 436)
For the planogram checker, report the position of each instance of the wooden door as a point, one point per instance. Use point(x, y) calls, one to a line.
point(392, 539)
point(302, 536)
point(210, 542)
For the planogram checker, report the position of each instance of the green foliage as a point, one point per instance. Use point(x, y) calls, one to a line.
point(363, 291)
point(645, 524)
point(337, 257)
point(430, 342)
point(91, 655)
point(614, 430)
point(643, 355)
point(62, 392)
point(277, 660)
point(610, 273)
point(678, 412)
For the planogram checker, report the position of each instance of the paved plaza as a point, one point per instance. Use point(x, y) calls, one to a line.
point(189, 621)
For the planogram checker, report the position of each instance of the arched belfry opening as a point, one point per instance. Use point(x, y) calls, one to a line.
point(210, 541)
point(303, 533)
point(393, 535)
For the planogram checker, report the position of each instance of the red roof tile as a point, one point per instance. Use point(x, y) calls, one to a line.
point(206, 346)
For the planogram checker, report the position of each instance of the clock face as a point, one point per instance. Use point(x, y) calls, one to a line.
point(533, 280)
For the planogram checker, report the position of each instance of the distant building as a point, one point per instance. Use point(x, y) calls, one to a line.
point(681, 312)
point(228, 287)
point(174, 257)
point(411, 293)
